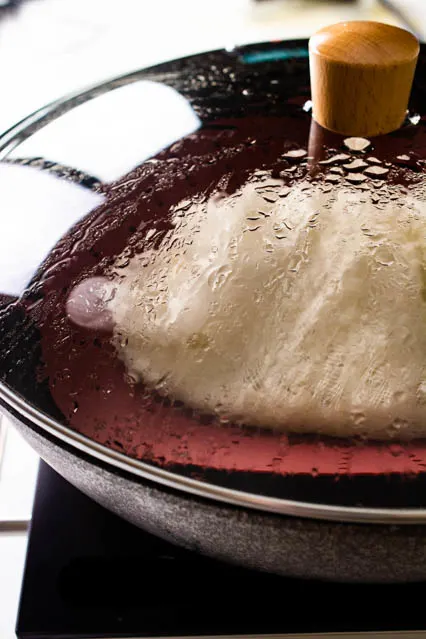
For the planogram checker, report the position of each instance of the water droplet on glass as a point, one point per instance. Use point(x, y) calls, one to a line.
point(384, 256)
point(340, 157)
point(356, 178)
point(122, 262)
point(284, 191)
point(295, 263)
point(399, 396)
point(398, 424)
point(376, 171)
point(356, 165)
point(219, 276)
point(219, 197)
point(360, 439)
point(367, 232)
point(358, 417)
point(415, 119)
point(395, 450)
point(271, 198)
point(308, 106)
point(357, 144)
point(332, 178)
point(295, 154)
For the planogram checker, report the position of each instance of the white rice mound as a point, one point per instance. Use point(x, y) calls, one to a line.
point(299, 309)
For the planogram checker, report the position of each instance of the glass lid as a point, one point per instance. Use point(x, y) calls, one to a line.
point(197, 290)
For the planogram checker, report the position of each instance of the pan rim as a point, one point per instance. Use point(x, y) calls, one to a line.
point(11, 139)
point(212, 492)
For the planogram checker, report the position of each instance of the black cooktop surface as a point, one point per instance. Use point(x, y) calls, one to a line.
point(91, 574)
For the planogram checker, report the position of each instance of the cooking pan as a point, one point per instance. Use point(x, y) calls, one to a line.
point(297, 505)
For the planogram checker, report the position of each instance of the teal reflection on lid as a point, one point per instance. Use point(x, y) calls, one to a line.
point(254, 57)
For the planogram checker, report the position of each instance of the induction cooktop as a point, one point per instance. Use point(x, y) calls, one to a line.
point(91, 574)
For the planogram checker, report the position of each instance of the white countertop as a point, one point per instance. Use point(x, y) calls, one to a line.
point(52, 48)
point(18, 471)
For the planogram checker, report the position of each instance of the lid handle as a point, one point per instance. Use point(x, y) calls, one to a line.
point(361, 77)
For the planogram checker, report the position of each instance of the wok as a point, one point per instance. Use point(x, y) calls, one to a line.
point(302, 506)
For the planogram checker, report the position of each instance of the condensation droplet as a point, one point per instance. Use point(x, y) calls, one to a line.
point(219, 276)
point(271, 198)
point(295, 154)
point(284, 191)
point(356, 165)
point(356, 178)
point(415, 119)
point(131, 378)
point(357, 144)
point(398, 424)
point(384, 256)
point(340, 157)
point(376, 171)
point(367, 231)
point(399, 396)
point(358, 417)
point(332, 178)
point(122, 261)
point(396, 450)
point(295, 263)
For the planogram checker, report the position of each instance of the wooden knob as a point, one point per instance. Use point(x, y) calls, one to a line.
point(361, 77)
